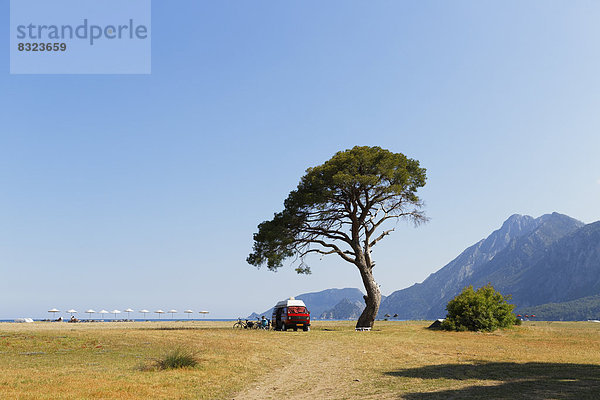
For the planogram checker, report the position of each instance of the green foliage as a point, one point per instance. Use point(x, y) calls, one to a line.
point(338, 204)
point(481, 310)
point(274, 241)
point(178, 358)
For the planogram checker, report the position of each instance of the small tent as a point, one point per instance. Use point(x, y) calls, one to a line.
point(437, 324)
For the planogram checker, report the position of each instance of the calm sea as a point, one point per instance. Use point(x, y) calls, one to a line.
point(148, 319)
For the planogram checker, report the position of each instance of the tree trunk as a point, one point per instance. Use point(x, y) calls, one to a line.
point(372, 299)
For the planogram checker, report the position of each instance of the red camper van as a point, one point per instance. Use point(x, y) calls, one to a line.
point(290, 314)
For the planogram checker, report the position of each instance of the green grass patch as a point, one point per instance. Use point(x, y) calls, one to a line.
point(178, 358)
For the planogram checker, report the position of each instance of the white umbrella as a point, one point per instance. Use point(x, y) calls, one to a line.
point(53, 311)
point(144, 312)
point(159, 312)
point(172, 312)
point(71, 311)
point(115, 312)
point(188, 312)
point(128, 311)
point(102, 312)
point(90, 312)
point(203, 312)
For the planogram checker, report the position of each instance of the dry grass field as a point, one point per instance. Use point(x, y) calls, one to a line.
point(398, 360)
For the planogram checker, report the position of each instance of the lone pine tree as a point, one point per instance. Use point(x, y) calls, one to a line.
point(341, 207)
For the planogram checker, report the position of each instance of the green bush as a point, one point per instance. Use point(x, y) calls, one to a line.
point(481, 310)
point(178, 358)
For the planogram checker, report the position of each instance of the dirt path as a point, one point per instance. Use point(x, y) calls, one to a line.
point(323, 370)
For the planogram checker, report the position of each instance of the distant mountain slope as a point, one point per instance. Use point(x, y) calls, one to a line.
point(576, 310)
point(569, 270)
point(501, 259)
point(319, 302)
point(345, 309)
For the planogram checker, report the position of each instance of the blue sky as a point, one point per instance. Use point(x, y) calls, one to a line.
point(144, 191)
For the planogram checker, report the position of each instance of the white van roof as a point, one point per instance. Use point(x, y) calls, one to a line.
point(290, 302)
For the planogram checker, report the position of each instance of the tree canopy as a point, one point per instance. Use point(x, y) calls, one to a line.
point(340, 207)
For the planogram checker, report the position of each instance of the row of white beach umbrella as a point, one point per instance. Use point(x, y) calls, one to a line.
point(129, 310)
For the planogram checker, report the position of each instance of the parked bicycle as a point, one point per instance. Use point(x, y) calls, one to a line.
point(241, 324)
point(245, 324)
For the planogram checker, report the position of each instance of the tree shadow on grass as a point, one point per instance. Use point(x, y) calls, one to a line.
point(517, 381)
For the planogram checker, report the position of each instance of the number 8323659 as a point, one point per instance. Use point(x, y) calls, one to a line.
point(42, 46)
